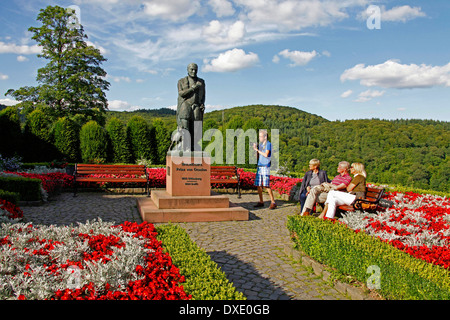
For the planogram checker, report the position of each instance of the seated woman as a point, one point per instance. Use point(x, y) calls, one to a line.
point(312, 178)
point(355, 190)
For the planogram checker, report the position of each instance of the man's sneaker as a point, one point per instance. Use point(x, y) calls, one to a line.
point(259, 204)
point(273, 205)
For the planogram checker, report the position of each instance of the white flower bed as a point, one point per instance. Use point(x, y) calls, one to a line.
point(23, 271)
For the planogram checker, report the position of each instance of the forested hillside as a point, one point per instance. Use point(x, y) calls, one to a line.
point(407, 152)
point(412, 153)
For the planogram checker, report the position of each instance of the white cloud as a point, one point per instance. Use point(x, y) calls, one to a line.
point(102, 50)
point(210, 107)
point(346, 94)
point(276, 59)
point(399, 13)
point(402, 13)
point(174, 10)
point(326, 53)
point(8, 102)
point(401, 109)
point(230, 61)
point(120, 105)
point(392, 74)
point(145, 33)
point(4, 76)
point(19, 49)
point(22, 58)
point(118, 78)
point(153, 72)
point(296, 15)
point(369, 95)
point(222, 8)
point(220, 33)
point(298, 58)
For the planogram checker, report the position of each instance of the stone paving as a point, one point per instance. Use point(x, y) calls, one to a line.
point(249, 252)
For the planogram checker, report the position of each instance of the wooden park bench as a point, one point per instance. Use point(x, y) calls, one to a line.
point(367, 204)
point(226, 175)
point(112, 173)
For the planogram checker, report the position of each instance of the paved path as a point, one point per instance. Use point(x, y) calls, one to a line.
point(249, 252)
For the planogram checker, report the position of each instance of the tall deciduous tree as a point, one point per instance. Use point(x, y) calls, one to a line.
point(72, 82)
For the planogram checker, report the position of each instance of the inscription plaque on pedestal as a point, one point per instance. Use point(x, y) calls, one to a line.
point(188, 175)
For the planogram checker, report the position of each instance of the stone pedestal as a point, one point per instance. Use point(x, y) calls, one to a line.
point(188, 196)
point(188, 175)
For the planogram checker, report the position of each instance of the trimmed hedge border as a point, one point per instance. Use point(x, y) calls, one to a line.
point(9, 196)
point(401, 275)
point(29, 189)
point(204, 279)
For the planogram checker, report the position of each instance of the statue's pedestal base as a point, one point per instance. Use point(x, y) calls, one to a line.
point(188, 196)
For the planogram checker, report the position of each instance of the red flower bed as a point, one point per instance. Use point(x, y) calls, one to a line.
point(283, 185)
point(50, 181)
point(156, 278)
point(417, 224)
point(10, 210)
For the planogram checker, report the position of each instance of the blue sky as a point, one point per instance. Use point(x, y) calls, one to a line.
point(316, 55)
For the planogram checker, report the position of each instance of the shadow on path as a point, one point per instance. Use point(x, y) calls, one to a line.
point(247, 279)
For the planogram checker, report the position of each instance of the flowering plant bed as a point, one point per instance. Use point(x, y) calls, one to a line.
point(408, 243)
point(93, 261)
point(50, 181)
point(9, 211)
point(418, 224)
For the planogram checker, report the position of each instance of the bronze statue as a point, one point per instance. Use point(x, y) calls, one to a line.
point(191, 106)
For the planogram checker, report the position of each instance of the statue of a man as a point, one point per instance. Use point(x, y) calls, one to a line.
point(191, 102)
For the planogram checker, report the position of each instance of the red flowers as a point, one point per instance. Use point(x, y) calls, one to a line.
point(12, 211)
point(50, 181)
point(34, 257)
point(158, 278)
point(417, 224)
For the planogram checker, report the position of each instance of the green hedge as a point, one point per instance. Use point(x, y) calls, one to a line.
point(9, 196)
point(351, 253)
point(204, 279)
point(93, 142)
point(29, 189)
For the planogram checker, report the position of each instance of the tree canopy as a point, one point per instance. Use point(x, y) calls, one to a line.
point(72, 82)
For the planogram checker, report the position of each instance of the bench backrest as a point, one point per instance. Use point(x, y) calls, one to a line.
point(109, 169)
point(228, 171)
point(374, 194)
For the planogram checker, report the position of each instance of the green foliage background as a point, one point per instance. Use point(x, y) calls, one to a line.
point(413, 153)
point(93, 143)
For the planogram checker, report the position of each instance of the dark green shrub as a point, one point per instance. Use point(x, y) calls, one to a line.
point(29, 189)
point(39, 124)
point(138, 133)
point(162, 139)
point(9, 196)
point(204, 279)
point(401, 275)
point(93, 142)
point(38, 137)
point(119, 148)
point(66, 138)
point(10, 132)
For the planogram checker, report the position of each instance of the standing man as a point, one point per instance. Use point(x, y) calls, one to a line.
point(191, 103)
point(262, 179)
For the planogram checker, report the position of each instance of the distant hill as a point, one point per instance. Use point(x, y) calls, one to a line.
point(406, 152)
